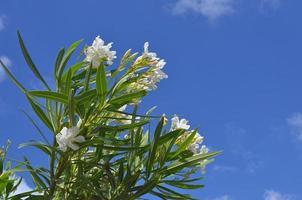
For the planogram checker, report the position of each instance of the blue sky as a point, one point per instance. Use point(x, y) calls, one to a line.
point(234, 71)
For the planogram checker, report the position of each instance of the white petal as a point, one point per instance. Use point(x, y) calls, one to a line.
point(64, 130)
point(79, 139)
point(73, 146)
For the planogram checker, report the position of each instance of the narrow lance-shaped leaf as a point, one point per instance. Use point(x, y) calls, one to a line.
point(71, 109)
point(37, 180)
point(85, 96)
point(181, 185)
point(121, 172)
point(101, 83)
point(66, 57)
point(40, 113)
point(87, 78)
point(173, 193)
point(59, 60)
point(29, 61)
point(183, 146)
point(11, 76)
point(128, 98)
point(186, 162)
point(58, 97)
point(155, 143)
point(68, 82)
point(147, 187)
point(36, 126)
point(39, 145)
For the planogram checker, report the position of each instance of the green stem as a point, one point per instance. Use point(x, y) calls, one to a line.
point(52, 165)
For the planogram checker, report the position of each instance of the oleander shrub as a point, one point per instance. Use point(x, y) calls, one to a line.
point(100, 145)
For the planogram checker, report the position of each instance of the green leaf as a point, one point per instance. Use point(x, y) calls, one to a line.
point(74, 68)
point(29, 61)
point(36, 126)
point(66, 57)
point(1, 165)
point(121, 148)
point(181, 185)
point(68, 82)
point(171, 135)
point(58, 97)
point(120, 128)
point(85, 96)
point(87, 78)
point(101, 83)
point(40, 113)
point(183, 146)
point(128, 57)
point(59, 60)
point(35, 175)
point(43, 147)
point(154, 145)
point(175, 195)
point(147, 187)
point(71, 109)
point(11, 76)
point(186, 162)
point(121, 172)
point(128, 98)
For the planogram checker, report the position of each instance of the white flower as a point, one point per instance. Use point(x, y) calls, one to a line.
point(194, 146)
point(153, 75)
point(98, 51)
point(161, 63)
point(204, 149)
point(68, 137)
point(147, 54)
point(149, 82)
point(179, 124)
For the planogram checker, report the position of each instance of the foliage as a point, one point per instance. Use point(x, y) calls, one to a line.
point(8, 183)
point(100, 149)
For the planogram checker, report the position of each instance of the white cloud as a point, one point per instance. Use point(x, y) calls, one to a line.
point(274, 4)
point(212, 9)
point(8, 63)
point(224, 168)
point(295, 122)
point(273, 195)
point(224, 197)
point(2, 24)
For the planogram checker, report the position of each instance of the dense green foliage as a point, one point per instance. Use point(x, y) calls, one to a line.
point(100, 149)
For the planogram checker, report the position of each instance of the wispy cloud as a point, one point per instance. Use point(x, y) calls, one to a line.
point(224, 168)
point(274, 195)
point(212, 9)
point(272, 4)
point(224, 197)
point(295, 123)
point(2, 22)
point(7, 62)
point(238, 140)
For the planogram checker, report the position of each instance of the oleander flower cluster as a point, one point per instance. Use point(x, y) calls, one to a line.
point(195, 145)
point(101, 142)
point(154, 74)
point(98, 51)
